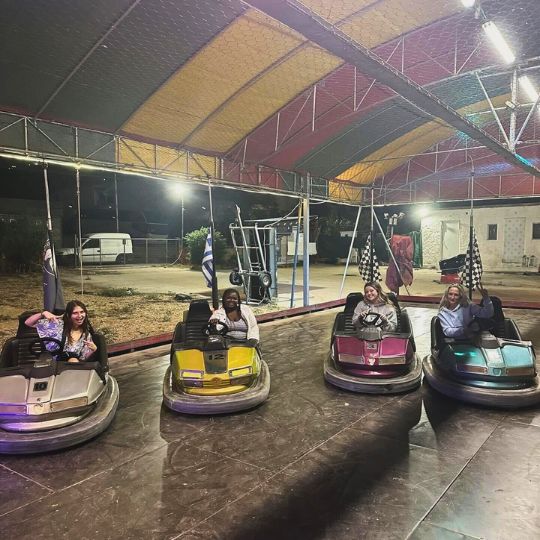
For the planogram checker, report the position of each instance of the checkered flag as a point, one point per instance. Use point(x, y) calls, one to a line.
point(473, 265)
point(369, 265)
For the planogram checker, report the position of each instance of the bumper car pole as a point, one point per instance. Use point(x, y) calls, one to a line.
point(215, 302)
point(350, 251)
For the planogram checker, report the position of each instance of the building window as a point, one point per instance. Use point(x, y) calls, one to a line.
point(536, 231)
point(492, 232)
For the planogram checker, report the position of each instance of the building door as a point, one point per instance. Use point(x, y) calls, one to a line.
point(449, 239)
point(514, 240)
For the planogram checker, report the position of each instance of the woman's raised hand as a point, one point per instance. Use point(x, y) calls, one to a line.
point(90, 344)
point(49, 316)
point(481, 290)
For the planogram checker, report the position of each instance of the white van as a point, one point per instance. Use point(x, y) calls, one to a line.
point(100, 248)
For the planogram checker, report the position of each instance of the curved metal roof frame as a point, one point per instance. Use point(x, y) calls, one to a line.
point(318, 30)
point(110, 48)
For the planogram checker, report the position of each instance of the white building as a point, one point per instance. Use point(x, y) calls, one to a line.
point(508, 236)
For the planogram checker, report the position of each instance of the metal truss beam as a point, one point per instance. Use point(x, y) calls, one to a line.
point(261, 179)
point(331, 38)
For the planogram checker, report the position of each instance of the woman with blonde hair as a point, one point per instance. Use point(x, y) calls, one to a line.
point(376, 301)
point(456, 312)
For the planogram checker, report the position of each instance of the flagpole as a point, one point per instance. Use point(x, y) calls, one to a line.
point(53, 298)
point(372, 240)
point(46, 181)
point(79, 227)
point(471, 226)
point(350, 250)
point(215, 302)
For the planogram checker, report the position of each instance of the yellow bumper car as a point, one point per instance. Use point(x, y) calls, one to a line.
point(210, 373)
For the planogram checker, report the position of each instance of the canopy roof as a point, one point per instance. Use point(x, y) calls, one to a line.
point(225, 79)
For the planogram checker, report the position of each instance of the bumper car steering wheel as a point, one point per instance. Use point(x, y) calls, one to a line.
point(215, 328)
point(372, 319)
point(39, 346)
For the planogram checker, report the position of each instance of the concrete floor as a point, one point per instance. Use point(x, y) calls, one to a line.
point(312, 462)
point(325, 281)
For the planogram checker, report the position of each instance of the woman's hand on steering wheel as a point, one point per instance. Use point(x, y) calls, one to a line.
point(372, 319)
point(212, 329)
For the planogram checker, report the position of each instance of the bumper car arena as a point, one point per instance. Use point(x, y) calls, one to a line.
point(270, 269)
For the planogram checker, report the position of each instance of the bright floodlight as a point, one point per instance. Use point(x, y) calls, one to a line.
point(526, 85)
point(178, 190)
point(498, 41)
point(422, 211)
point(468, 3)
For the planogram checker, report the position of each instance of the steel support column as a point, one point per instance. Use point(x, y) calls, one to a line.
point(305, 262)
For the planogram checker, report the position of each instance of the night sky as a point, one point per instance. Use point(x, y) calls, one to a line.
point(152, 200)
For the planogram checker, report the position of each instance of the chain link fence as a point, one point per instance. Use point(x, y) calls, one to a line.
point(122, 249)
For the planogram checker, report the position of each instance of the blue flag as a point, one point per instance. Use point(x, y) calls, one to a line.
point(208, 260)
point(53, 297)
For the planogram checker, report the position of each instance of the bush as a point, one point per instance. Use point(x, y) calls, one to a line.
point(115, 292)
point(21, 245)
point(195, 242)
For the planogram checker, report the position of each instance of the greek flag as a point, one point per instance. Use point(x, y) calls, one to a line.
point(208, 260)
point(473, 265)
point(369, 265)
point(53, 298)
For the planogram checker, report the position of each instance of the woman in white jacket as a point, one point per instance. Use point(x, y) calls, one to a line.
point(456, 312)
point(238, 318)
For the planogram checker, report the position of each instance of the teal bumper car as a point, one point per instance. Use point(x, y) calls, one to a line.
point(495, 368)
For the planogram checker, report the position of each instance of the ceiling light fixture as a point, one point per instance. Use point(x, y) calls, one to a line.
point(526, 85)
point(468, 3)
point(495, 36)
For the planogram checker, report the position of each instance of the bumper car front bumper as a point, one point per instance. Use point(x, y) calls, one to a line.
point(86, 428)
point(490, 397)
point(197, 404)
point(392, 385)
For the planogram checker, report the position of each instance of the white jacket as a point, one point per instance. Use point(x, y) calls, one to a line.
point(386, 310)
point(247, 315)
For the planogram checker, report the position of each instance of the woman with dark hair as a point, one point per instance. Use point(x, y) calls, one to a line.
point(456, 312)
point(238, 318)
point(375, 301)
point(72, 328)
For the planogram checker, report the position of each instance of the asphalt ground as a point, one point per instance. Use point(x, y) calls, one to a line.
point(325, 282)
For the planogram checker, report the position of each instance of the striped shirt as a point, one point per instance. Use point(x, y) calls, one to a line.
point(237, 330)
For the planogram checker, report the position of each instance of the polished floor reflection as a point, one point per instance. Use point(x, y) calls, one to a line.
point(312, 462)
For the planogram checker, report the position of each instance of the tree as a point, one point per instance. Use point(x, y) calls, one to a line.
point(21, 244)
point(195, 242)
